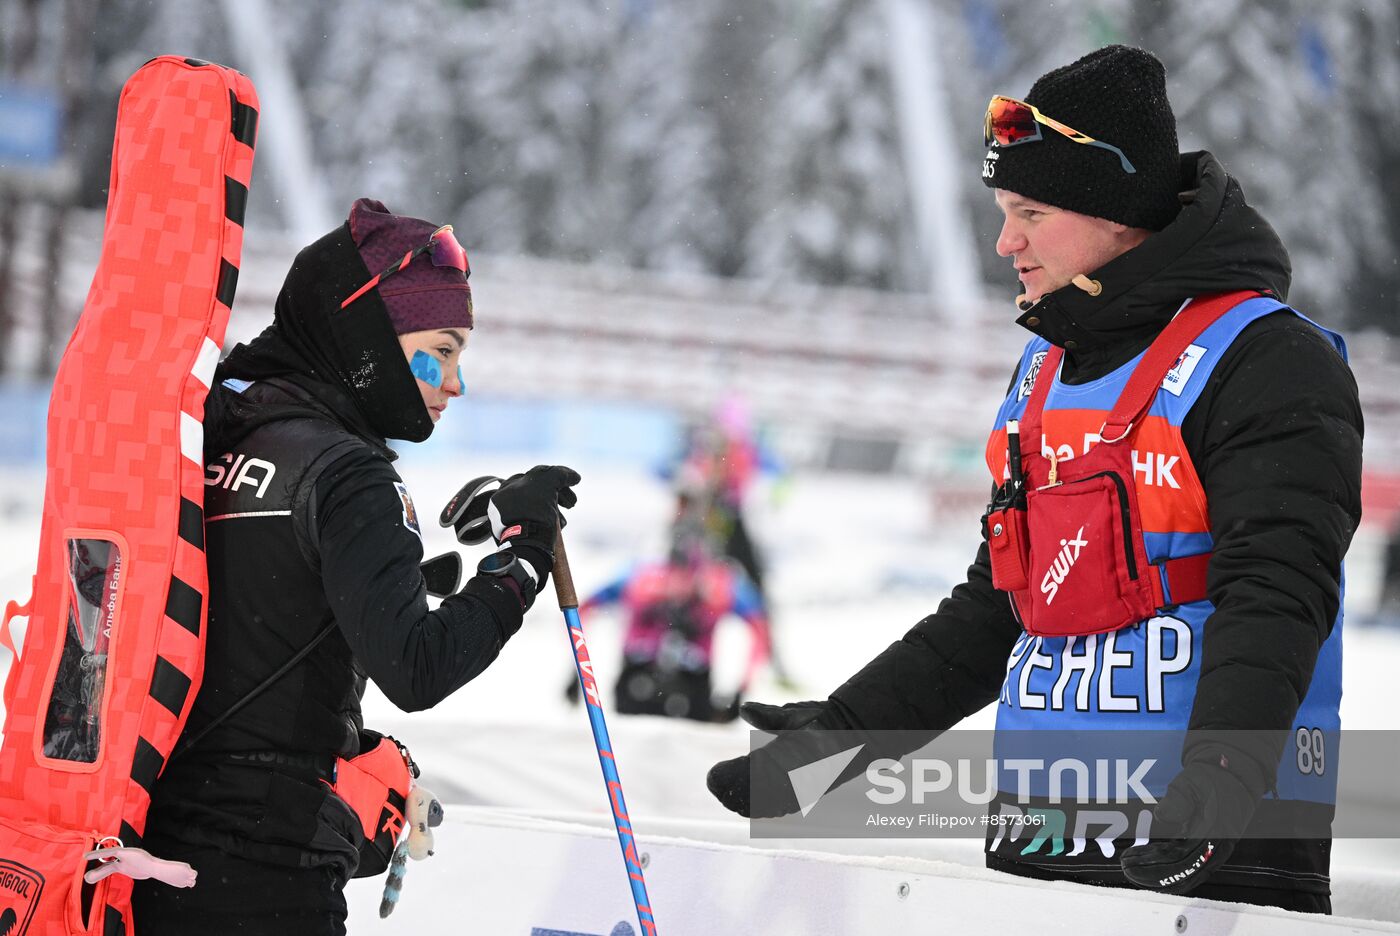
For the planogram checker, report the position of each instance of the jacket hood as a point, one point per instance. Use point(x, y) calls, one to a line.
point(1217, 243)
point(350, 355)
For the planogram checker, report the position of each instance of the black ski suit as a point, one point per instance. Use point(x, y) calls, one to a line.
point(307, 523)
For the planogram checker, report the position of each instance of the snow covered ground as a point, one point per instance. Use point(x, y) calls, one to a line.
point(855, 561)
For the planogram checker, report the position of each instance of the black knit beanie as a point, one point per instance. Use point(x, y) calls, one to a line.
point(1118, 95)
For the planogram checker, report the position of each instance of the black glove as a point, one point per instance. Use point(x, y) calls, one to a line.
point(525, 514)
point(1195, 826)
point(730, 781)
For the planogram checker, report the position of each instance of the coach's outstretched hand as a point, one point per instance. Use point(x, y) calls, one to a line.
point(807, 731)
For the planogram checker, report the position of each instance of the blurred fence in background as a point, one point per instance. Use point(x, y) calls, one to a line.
point(616, 363)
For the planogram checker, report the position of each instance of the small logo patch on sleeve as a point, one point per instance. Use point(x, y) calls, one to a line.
point(1176, 379)
point(410, 513)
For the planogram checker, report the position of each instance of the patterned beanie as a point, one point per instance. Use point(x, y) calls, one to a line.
point(420, 296)
point(1118, 95)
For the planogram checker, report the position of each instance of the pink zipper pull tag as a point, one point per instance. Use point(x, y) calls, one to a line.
point(137, 864)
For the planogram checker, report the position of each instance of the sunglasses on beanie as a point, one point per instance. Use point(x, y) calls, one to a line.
point(444, 250)
point(1010, 122)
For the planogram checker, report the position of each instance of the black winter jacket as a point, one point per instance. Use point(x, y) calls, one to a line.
point(1276, 440)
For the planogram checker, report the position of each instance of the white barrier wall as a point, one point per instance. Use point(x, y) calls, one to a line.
point(503, 874)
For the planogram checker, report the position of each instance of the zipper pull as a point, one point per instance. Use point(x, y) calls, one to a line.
point(1053, 480)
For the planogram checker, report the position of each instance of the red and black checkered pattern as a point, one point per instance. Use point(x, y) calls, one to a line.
point(125, 457)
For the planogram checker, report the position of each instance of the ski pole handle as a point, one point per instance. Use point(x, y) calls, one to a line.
point(563, 578)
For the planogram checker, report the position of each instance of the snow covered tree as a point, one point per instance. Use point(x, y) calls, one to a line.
point(836, 213)
point(539, 91)
point(1369, 85)
point(1263, 88)
point(380, 88)
point(664, 148)
point(763, 140)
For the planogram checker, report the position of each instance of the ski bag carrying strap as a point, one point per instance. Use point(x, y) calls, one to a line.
point(113, 652)
point(1073, 558)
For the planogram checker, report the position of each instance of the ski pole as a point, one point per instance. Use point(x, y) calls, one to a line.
point(568, 603)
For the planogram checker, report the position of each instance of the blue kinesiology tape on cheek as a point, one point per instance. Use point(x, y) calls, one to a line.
point(426, 369)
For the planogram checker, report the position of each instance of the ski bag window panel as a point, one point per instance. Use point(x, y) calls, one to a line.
point(75, 707)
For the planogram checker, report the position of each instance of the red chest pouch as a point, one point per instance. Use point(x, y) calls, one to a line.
point(1065, 535)
point(1087, 566)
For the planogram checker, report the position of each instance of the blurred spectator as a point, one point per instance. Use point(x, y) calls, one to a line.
point(713, 477)
point(673, 609)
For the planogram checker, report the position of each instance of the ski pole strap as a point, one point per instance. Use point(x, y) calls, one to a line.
point(253, 693)
point(1161, 356)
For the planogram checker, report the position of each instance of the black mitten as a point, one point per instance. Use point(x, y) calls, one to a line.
point(809, 731)
point(1195, 826)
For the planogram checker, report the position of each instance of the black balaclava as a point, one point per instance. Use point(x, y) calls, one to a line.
point(354, 349)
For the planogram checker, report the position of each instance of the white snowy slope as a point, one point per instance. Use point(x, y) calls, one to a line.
point(855, 561)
